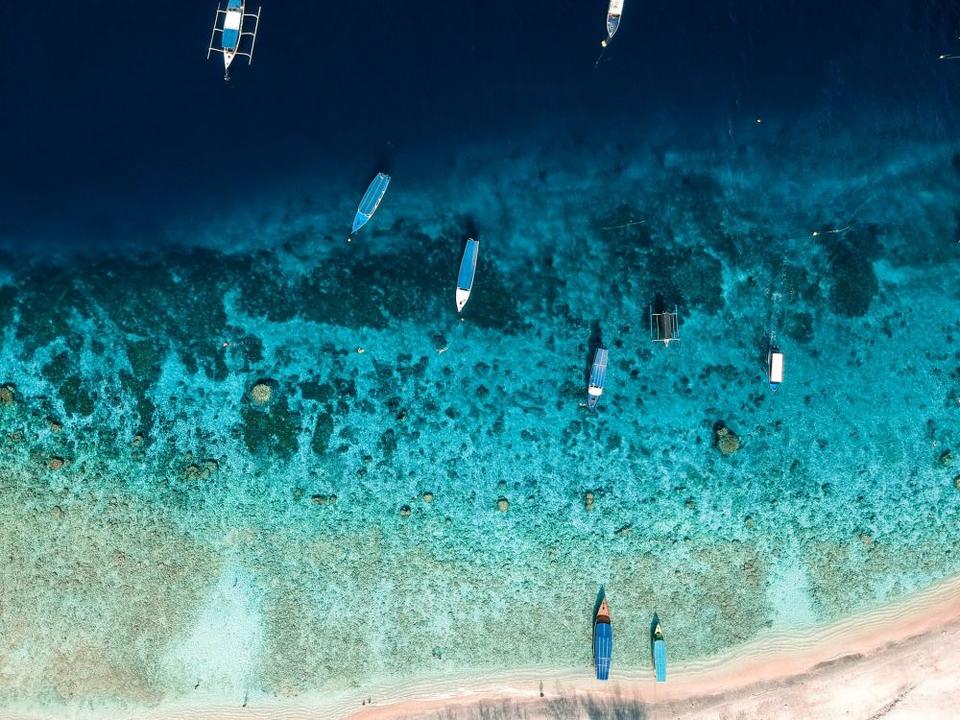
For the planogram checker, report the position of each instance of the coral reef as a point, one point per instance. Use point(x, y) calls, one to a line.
point(195, 427)
point(726, 440)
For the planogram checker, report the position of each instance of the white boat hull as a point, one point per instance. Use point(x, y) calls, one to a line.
point(462, 297)
point(775, 368)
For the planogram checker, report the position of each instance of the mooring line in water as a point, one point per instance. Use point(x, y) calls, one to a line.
point(818, 233)
point(839, 231)
point(600, 56)
point(625, 225)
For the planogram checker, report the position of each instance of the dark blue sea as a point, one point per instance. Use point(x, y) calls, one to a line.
point(245, 455)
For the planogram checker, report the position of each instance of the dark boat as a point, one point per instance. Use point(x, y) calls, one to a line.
point(664, 325)
point(602, 641)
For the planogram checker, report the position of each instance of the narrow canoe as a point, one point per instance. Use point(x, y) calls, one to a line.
point(468, 270)
point(602, 641)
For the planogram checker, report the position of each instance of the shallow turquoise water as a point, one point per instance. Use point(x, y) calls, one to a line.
point(163, 529)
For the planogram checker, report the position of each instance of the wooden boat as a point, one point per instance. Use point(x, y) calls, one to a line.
point(598, 376)
point(468, 269)
point(775, 367)
point(602, 641)
point(370, 201)
point(229, 23)
point(659, 652)
point(614, 11)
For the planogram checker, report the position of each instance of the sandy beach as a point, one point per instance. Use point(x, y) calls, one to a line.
point(900, 661)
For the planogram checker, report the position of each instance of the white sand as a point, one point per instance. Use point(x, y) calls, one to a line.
point(900, 661)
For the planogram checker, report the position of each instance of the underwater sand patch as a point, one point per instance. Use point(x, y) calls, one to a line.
point(96, 614)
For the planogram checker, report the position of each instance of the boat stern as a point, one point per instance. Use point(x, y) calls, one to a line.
point(359, 220)
point(593, 396)
point(462, 297)
point(613, 24)
point(614, 11)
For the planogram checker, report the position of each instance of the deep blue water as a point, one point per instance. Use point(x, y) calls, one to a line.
point(113, 123)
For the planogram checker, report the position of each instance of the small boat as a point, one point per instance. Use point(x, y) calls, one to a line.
point(775, 367)
point(229, 23)
point(602, 641)
point(659, 652)
point(665, 326)
point(468, 268)
point(598, 375)
point(371, 201)
point(614, 11)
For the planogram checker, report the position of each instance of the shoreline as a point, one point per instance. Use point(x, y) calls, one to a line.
point(898, 655)
point(924, 627)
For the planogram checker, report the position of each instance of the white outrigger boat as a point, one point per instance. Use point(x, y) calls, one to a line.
point(614, 11)
point(774, 366)
point(598, 376)
point(229, 23)
point(370, 201)
point(468, 269)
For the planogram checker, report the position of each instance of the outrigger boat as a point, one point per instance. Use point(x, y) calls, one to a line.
point(614, 11)
point(598, 375)
point(229, 23)
point(665, 326)
point(659, 651)
point(774, 366)
point(468, 269)
point(602, 641)
point(371, 201)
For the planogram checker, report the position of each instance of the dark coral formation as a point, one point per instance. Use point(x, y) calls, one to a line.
point(271, 430)
point(854, 282)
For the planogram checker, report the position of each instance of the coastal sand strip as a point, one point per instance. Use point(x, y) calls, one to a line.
point(884, 662)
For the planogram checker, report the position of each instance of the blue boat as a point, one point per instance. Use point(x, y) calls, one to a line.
point(598, 376)
point(468, 269)
point(659, 653)
point(371, 201)
point(602, 641)
point(229, 23)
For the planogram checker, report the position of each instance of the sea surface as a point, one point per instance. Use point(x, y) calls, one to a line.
point(244, 458)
